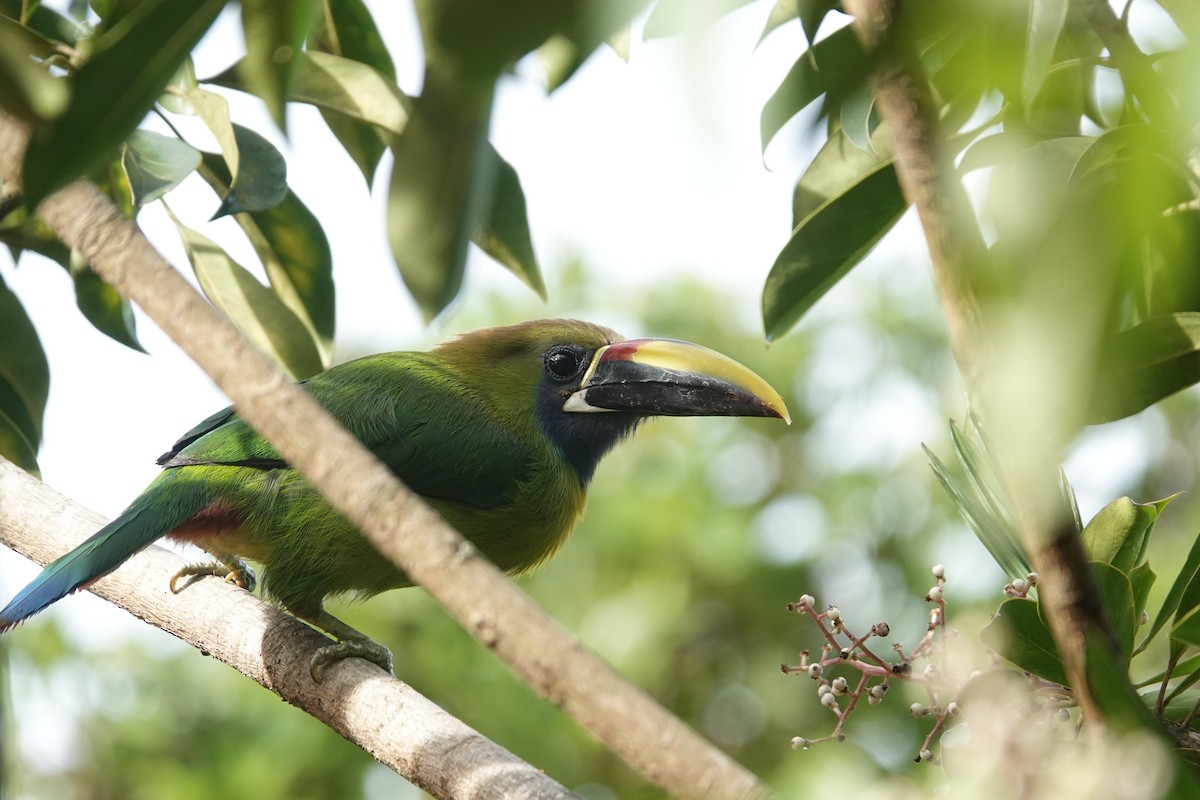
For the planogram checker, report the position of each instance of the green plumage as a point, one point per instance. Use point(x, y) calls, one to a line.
point(496, 429)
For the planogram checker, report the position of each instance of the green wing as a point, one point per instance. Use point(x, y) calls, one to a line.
point(406, 409)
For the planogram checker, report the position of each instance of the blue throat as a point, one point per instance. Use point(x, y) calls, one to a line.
point(582, 438)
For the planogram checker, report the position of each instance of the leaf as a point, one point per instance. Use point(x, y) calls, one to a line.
point(1068, 495)
point(103, 306)
point(113, 91)
point(1187, 629)
point(504, 233)
point(174, 96)
point(830, 240)
point(1018, 633)
point(155, 164)
point(256, 310)
point(981, 502)
point(213, 110)
point(295, 254)
point(1189, 667)
point(1121, 706)
point(671, 17)
point(24, 383)
point(809, 13)
point(1142, 579)
point(44, 21)
point(858, 119)
point(260, 181)
point(274, 34)
point(27, 89)
point(348, 30)
point(1145, 364)
point(338, 84)
point(440, 186)
point(1116, 590)
point(837, 60)
point(1185, 584)
point(1046, 20)
point(1120, 531)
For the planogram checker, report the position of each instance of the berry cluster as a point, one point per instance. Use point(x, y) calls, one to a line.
point(843, 648)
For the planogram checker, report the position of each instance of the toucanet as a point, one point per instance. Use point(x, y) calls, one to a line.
point(500, 430)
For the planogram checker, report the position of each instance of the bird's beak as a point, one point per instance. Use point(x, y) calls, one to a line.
point(672, 378)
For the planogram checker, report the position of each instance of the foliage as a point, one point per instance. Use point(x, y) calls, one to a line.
point(1079, 150)
point(448, 184)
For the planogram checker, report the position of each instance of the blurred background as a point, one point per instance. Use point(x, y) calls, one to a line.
point(653, 210)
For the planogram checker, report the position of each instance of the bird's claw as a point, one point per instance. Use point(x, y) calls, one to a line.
point(231, 570)
point(353, 648)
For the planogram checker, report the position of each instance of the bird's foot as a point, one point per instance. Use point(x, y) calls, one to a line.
point(353, 648)
point(232, 569)
point(351, 643)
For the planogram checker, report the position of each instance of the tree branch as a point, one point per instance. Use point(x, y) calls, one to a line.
point(390, 516)
point(928, 179)
point(384, 716)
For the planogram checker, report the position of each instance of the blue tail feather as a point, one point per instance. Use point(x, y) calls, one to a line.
point(139, 525)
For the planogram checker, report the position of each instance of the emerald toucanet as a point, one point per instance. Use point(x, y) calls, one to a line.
point(500, 430)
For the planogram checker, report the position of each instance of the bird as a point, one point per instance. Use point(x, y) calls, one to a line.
point(500, 430)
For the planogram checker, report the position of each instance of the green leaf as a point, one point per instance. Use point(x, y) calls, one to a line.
point(1142, 579)
point(1018, 633)
point(1189, 667)
point(255, 309)
point(103, 306)
point(504, 233)
point(1185, 584)
point(1116, 590)
point(982, 502)
point(1046, 20)
point(835, 62)
point(44, 21)
point(671, 17)
point(1145, 364)
point(857, 118)
point(347, 29)
point(809, 13)
point(24, 383)
point(295, 254)
point(1187, 628)
point(339, 84)
point(835, 169)
point(27, 90)
point(1120, 531)
point(441, 185)
point(213, 110)
point(275, 34)
point(174, 96)
point(832, 238)
point(1121, 706)
point(113, 91)
point(155, 164)
point(260, 181)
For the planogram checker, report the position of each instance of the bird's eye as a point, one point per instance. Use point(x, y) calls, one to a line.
point(563, 362)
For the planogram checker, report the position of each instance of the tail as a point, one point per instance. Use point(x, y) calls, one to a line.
point(154, 514)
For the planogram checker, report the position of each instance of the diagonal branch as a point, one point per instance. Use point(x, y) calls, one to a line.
point(392, 518)
point(384, 716)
